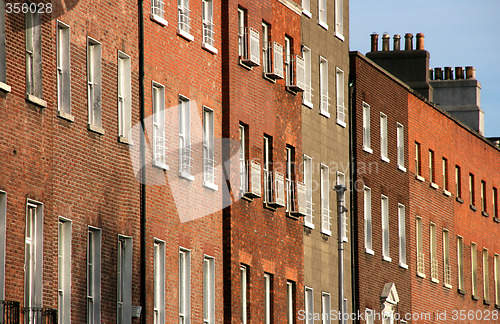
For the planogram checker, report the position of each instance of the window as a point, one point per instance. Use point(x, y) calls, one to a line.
point(306, 7)
point(290, 162)
point(369, 316)
point(497, 279)
point(383, 137)
point(418, 165)
point(445, 175)
point(33, 54)
point(339, 19)
point(432, 177)
point(307, 94)
point(124, 280)
point(94, 84)
point(208, 24)
point(420, 250)
point(325, 308)
point(483, 197)
point(64, 271)
point(288, 61)
point(460, 260)
point(244, 293)
point(458, 181)
point(159, 141)
point(124, 95)
point(3, 234)
point(268, 165)
point(385, 228)
point(446, 259)
point(242, 24)
point(368, 219)
point(157, 12)
point(473, 256)
point(290, 301)
point(33, 256)
point(495, 202)
point(401, 147)
point(268, 283)
point(208, 148)
point(309, 305)
point(63, 69)
point(486, 276)
point(159, 282)
point(184, 286)
point(341, 110)
point(208, 290)
point(266, 57)
point(322, 14)
point(185, 138)
point(183, 22)
point(472, 193)
point(308, 220)
point(325, 200)
point(366, 128)
point(93, 276)
point(243, 159)
point(3, 61)
point(323, 85)
point(433, 254)
point(402, 235)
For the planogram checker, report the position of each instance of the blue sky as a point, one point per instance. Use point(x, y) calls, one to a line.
point(457, 33)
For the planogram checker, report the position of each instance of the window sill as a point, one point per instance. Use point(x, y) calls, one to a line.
point(486, 302)
point(245, 197)
point(485, 214)
point(433, 185)
point(240, 62)
point(434, 280)
point(306, 13)
point(367, 150)
point(447, 286)
point(461, 291)
point(341, 123)
point(125, 140)
point(264, 75)
point(290, 89)
point(308, 104)
point(402, 168)
point(209, 48)
point(385, 159)
point(184, 34)
point(162, 21)
point(447, 193)
point(420, 178)
point(271, 208)
point(186, 176)
point(5, 87)
point(211, 186)
point(472, 207)
point(36, 101)
point(386, 258)
point(68, 117)
point(95, 129)
point(308, 225)
point(323, 24)
point(339, 36)
point(324, 113)
point(497, 306)
point(460, 200)
point(403, 265)
point(160, 165)
point(369, 251)
point(496, 219)
point(475, 297)
point(420, 274)
point(326, 232)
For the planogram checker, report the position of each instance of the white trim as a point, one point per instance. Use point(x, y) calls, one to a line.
point(160, 20)
point(184, 34)
point(209, 48)
point(420, 178)
point(434, 185)
point(306, 13)
point(367, 149)
point(385, 258)
point(447, 193)
point(403, 265)
point(385, 159)
point(323, 24)
point(325, 113)
point(339, 36)
point(369, 251)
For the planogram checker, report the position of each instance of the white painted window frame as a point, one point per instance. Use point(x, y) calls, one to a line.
point(64, 270)
point(385, 228)
point(184, 286)
point(159, 282)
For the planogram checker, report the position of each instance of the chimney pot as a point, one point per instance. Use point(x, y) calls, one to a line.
point(431, 74)
point(374, 38)
point(438, 73)
point(448, 73)
point(397, 42)
point(470, 72)
point(459, 73)
point(408, 42)
point(385, 42)
point(420, 41)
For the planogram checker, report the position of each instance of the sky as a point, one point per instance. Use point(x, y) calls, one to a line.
point(457, 33)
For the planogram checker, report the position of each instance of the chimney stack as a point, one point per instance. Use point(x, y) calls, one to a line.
point(431, 74)
point(459, 73)
point(448, 73)
point(385, 42)
point(397, 42)
point(438, 73)
point(420, 41)
point(408, 42)
point(374, 38)
point(470, 72)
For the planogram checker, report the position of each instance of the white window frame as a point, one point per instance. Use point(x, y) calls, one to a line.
point(267, 298)
point(288, 61)
point(366, 128)
point(401, 147)
point(184, 20)
point(433, 252)
point(472, 189)
point(325, 200)
point(369, 315)
point(309, 305)
point(419, 247)
point(418, 161)
point(473, 254)
point(124, 280)
point(63, 71)
point(446, 183)
point(497, 279)
point(384, 211)
point(208, 289)
point(208, 41)
point(290, 152)
point(402, 235)
point(460, 263)
point(367, 207)
point(384, 149)
point(266, 68)
point(3, 49)
point(323, 14)
point(307, 94)
point(124, 99)
point(324, 107)
point(93, 275)
point(94, 85)
point(3, 238)
point(308, 172)
point(244, 293)
point(184, 286)
point(33, 255)
point(33, 40)
point(208, 149)
point(158, 12)
point(159, 139)
point(306, 8)
point(185, 150)
point(446, 259)
point(484, 206)
point(64, 270)
point(290, 300)
point(326, 308)
point(242, 23)
point(243, 159)
point(494, 202)
point(340, 90)
point(486, 276)
point(432, 167)
point(267, 165)
point(339, 19)
point(458, 181)
point(159, 282)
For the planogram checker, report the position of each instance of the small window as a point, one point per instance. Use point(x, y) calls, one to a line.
point(94, 276)
point(64, 271)
point(341, 109)
point(322, 14)
point(124, 95)
point(472, 193)
point(208, 290)
point(290, 177)
point(473, 256)
point(486, 276)
point(94, 84)
point(268, 290)
point(266, 53)
point(3, 61)
point(445, 174)
point(484, 205)
point(159, 282)
point(243, 159)
point(308, 171)
point(158, 11)
point(325, 200)
point(370, 316)
point(368, 219)
point(420, 250)
point(33, 54)
point(290, 301)
point(433, 253)
point(208, 22)
point(418, 159)
point(385, 228)
point(402, 235)
point(242, 24)
point(288, 61)
point(309, 305)
point(460, 261)
point(183, 19)
point(124, 280)
point(185, 138)
point(208, 148)
point(446, 259)
point(33, 255)
point(432, 176)
point(323, 85)
point(401, 146)
point(326, 308)
point(366, 128)
point(63, 69)
point(458, 181)
point(244, 293)
point(3, 235)
point(268, 168)
point(159, 140)
point(306, 7)
point(497, 279)
point(339, 19)
point(383, 137)
point(307, 94)
point(495, 202)
point(184, 286)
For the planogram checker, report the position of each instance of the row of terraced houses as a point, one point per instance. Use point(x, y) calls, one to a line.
point(231, 161)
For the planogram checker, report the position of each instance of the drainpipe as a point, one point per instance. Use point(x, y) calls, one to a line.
point(143, 163)
point(341, 234)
